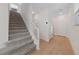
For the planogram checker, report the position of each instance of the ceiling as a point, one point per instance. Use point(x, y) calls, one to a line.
point(51, 7)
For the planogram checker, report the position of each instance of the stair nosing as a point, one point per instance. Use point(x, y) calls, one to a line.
point(19, 33)
point(13, 48)
point(23, 37)
point(28, 48)
point(17, 37)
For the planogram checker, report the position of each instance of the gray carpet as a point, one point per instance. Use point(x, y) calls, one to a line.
point(20, 41)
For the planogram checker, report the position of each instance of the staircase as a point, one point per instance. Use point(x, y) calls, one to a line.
point(20, 41)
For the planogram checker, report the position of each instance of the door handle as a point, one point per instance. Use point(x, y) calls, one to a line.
point(46, 22)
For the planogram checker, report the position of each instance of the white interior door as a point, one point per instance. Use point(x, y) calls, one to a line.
point(59, 25)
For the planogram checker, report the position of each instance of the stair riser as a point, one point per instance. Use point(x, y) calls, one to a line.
point(17, 28)
point(11, 51)
point(19, 23)
point(16, 25)
point(24, 49)
point(18, 36)
point(15, 20)
point(24, 40)
point(14, 32)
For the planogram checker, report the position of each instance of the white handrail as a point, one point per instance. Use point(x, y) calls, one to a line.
point(36, 35)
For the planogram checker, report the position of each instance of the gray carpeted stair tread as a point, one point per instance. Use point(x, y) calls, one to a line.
point(10, 46)
point(24, 50)
point(20, 41)
point(17, 30)
point(11, 22)
point(10, 33)
point(16, 22)
point(19, 34)
point(16, 25)
point(14, 32)
point(19, 37)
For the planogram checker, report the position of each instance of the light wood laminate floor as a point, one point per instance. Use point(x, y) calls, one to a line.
point(58, 45)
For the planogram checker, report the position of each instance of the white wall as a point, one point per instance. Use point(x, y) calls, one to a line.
point(49, 11)
point(45, 29)
point(4, 22)
point(65, 24)
point(74, 33)
point(26, 13)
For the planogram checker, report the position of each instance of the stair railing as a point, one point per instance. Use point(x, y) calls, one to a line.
point(36, 35)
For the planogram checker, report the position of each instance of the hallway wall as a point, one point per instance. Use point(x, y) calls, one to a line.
point(71, 31)
point(74, 32)
point(26, 13)
point(40, 20)
point(4, 23)
point(44, 28)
